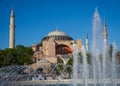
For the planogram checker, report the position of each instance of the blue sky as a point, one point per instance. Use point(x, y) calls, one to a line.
point(36, 18)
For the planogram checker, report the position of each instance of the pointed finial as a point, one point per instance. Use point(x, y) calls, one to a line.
point(96, 8)
point(12, 11)
point(105, 22)
point(57, 28)
point(12, 7)
point(86, 35)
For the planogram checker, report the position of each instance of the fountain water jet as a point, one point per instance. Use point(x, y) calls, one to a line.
point(85, 69)
point(96, 44)
point(75, 64)
point(114, 63)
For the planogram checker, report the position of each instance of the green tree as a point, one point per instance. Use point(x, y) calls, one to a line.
point(10, 56)
point(80, 58)
point(2, 57)
point(118, 56)
point(18, 55)
point(24, 55)
point(89, 58)
point(70, 63)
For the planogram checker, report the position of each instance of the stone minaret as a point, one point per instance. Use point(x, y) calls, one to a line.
point(12, 30)
point(87, 43)
point(105, 31)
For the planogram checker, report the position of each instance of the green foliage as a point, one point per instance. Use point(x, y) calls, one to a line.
point(24, 54)
point(60, 66)
point(80, 59)
point(59, 60)
point(89, 58)
point(2, 57)
point(118, 56)
point(70, 63)
point(19, 55)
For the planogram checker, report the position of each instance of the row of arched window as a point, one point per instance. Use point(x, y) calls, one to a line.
point(58, 37)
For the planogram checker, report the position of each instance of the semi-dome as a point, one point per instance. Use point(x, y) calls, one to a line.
point(57, 35)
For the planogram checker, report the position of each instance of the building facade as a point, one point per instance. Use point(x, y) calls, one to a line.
point(56, 44)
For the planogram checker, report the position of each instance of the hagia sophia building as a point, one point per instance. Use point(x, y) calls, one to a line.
point(56, 44)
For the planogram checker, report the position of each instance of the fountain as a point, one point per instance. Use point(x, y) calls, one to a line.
point(103, 70)
point(75, 65)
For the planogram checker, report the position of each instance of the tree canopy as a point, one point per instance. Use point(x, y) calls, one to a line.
point(19, 55)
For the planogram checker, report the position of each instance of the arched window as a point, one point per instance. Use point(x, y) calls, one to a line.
point(63, 49)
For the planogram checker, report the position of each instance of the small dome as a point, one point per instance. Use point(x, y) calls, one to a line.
point(57, 33)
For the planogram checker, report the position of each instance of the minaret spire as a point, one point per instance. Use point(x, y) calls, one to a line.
point(105, 22)
point(87, 43)
point(12, 29)
point(57, 28)
point(105, 30)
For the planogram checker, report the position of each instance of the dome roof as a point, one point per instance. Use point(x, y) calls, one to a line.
point(57, 33)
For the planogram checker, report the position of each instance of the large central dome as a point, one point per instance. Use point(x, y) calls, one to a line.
point(57, 35)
